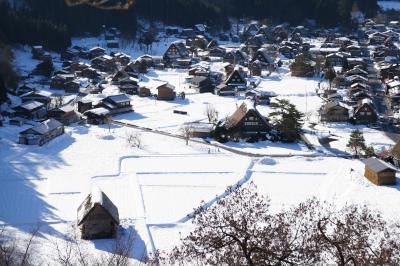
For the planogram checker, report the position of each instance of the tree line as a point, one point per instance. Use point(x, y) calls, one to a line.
point(216, 12)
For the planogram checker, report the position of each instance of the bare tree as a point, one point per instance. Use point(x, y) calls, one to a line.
point(240, 229)
point(187, 132)
point(211, 113)
point(134, 139)
point(73, 252)
point(108, 120)
point(16, 251)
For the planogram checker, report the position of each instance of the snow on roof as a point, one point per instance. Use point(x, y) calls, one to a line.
point(45, 126)
point(119, 98)
point(37, 92)
point(97, 197)
point(378, 165)
point(98, 111)
point(31, 105)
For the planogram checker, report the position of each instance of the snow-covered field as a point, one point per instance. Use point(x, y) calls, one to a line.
point(157, 186)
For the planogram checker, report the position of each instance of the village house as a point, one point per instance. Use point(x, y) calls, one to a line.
point(70, 54)
point(166, 92)
point(90, 73)
point(236, 80)
point(65, 114)
point(176, 50)
point(144, 91)
point(41, 133)
point(58, 81)
point(39, 96)
point(201, 130)
point(117, 104)
point(224, 90)
point(122, 58)
point(72, 86)
point(267, 62)
point(84, 105)
point(201, 84)
point(96, 52)
point(377, 38)
point(246, 123)
point(287, 51)
point(30, 110)
point(334, 111)
point(365, 113)
point(250, 30)
point(24, 89)
point(336, 59)
point(379, 172)
point(235, 57)
point(131, 70)
point(104, 63)
point(197, 42)
point(97, 116)
point(216, 51)
point(97, 216)
point(255, 68)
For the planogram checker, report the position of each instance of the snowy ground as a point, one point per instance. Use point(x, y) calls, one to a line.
point(157, 186)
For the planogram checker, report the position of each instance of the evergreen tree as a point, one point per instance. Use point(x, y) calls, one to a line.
point(301, 66)
point(356, 142)
point(287, 120)
point(3, 91)
point(330, 75)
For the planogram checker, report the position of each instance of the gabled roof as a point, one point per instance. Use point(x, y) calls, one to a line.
point(241, 112)
point(235, 72)
point(119, 98)
point(378, 165)
point(97, 198)
point(45, 126)
point(31, 105)
point(38, 93)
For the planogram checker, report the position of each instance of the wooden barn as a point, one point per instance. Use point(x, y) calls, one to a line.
point(166, 92)
point(97, 216)
point(379, 172)
point(41, 133)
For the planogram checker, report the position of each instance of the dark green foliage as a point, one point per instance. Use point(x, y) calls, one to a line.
point(215, 12)
point(82, 18)
point(302, 67)
point(356, 142)
point(330, 75)
point(25, 27)
point(3, 91)
point(8, 76)
point(287, 120)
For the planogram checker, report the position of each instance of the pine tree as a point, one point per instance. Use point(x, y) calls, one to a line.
point(3, 91)
point(330, 75)
point(287, 120)
point(356, 142)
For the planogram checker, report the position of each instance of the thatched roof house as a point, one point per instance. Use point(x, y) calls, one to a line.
point(97, 216)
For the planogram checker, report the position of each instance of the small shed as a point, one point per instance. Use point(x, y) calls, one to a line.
point(97, 216)
point(97, 116)
point(379, 172)
point(166, 92)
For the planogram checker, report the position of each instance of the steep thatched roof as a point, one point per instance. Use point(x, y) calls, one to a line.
point(97, 198)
